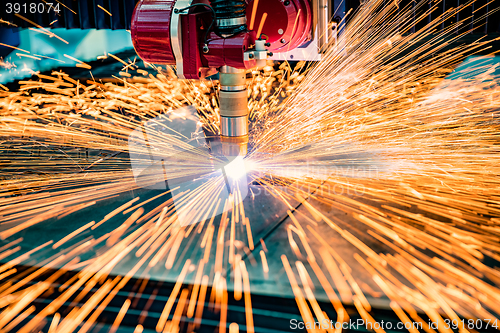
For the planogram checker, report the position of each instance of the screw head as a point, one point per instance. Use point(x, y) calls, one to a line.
point(267, 44)
point(251, 56)
point(205, 49)
point(286, 3)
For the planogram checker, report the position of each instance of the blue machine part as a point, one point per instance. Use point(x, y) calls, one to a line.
point(85, 45)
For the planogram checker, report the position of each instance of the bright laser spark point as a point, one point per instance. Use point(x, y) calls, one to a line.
point(236, 168)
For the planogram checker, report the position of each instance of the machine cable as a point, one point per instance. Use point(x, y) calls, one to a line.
point(214, 19)
point(231, 17)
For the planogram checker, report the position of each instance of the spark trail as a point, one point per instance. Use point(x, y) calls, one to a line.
point(375, 131)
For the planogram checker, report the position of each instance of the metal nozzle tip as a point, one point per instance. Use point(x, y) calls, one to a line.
point(234, 146)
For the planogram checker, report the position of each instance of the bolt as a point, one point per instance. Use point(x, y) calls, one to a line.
point(267, 44)
point(270, 54)
point(250, 55)
point(283, 41)
point(286, 3)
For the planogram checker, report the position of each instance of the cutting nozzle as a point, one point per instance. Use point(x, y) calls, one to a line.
point(233, 99)
point(234, 146)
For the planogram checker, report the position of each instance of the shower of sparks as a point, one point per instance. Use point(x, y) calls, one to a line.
point(406, 159)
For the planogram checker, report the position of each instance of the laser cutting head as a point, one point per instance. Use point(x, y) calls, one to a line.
point(201, 37)
point(233, 103)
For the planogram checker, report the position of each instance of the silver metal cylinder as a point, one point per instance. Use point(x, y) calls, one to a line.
point(233, 88)
point(231, 70)
point(229, 22)
point(234, 126)
point(233, 101)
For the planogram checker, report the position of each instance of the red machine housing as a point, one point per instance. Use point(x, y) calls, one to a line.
point(288, 26)
point(150, 31)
